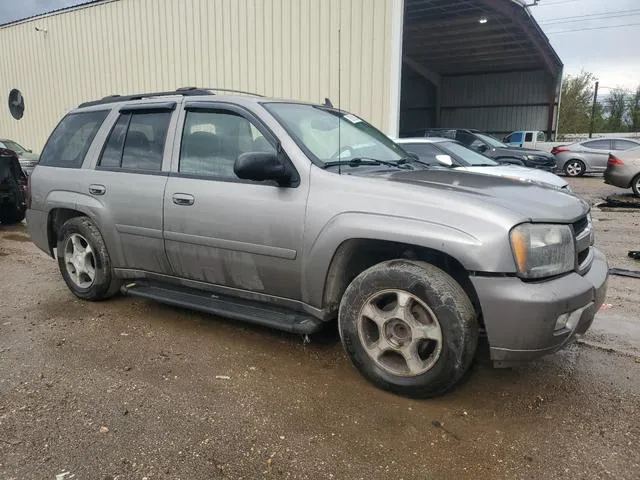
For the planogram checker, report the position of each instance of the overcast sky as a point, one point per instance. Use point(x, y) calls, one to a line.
point(612, 53)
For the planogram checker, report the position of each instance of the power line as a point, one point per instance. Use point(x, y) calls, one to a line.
point(592, 16)
point(593, 28)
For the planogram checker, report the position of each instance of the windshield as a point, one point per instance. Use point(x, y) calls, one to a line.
point(466, 156)
point(327, 135)
point(11, 145)
point(490, 140)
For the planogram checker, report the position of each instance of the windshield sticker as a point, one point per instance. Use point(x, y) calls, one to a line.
point(351, 118)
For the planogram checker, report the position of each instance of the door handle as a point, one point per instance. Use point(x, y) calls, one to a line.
point(183, 199)
point(95, 189)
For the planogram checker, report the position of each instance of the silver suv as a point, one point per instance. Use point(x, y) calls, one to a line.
point(291, 215)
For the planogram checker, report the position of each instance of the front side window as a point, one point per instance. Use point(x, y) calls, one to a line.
point(489, 140)
point(213, 140)
point(528, 137)
point(327, 135)
point(136, 142)
point(71, 139)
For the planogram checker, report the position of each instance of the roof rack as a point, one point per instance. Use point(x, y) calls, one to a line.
point(184, 91)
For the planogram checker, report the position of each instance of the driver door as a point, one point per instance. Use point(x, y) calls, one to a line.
point(223, 230)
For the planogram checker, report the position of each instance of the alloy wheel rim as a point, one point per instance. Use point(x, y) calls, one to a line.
point(400, 333)
point(574, 169)
point(80, 261)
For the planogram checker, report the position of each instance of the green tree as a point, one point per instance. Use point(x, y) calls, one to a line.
point(616, 107)
point(634, 111)
point(575, 103)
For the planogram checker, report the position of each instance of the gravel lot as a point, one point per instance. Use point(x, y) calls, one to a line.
point(130, 389)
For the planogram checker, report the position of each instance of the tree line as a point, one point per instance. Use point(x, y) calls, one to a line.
point(617, 111)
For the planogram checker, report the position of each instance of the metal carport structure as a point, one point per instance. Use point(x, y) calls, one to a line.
point(482, 64)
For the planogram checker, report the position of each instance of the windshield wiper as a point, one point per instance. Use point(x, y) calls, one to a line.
point(354, 162)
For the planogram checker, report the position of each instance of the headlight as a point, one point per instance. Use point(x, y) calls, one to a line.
point(542, 250)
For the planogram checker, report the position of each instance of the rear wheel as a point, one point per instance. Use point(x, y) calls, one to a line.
point(84, 261)
point(635, 185)
point(574, 168)
point(11, 213)
point(408, 327)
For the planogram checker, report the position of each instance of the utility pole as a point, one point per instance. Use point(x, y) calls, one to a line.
point(593, 109)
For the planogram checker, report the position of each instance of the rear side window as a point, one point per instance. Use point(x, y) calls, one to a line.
point(540, 137)
point(69, 142)
point(598, 144)
point(136, 142)
point(624, 145)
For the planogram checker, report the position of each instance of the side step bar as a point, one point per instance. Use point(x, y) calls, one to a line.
point(238, 309)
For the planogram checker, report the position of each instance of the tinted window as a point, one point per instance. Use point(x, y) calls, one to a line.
point(143, 135)
point(425, 151)
point(69, 142)
point(618, 145)
point(528, 137)
point(598, 144)
point(212, 141)
point(465, 138)
point(112, 153)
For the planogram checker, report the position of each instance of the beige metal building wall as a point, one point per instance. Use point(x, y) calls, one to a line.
point(282, 48)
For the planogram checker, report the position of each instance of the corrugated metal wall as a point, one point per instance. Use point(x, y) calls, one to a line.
point(496, 103)
point(282, 48)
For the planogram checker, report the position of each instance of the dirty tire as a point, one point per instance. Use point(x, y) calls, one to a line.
point(10, 214)
point(447, 300)
point(574, 168)
point(635, 185)
point(105, 284)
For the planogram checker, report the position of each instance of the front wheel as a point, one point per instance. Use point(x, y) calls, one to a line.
point(408, 327)
point(84, 261)
point(574, 168)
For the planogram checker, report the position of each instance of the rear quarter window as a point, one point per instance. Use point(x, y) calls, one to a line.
point(71, 139)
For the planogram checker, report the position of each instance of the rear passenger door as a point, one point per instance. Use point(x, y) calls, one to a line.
point(221, 229)
point(129, 179)
point(597, 153)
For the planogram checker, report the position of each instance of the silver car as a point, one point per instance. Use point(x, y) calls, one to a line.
point(447, 153)
point(589, 156)
point(26, 157)
point(623, 170)
point(291, 215)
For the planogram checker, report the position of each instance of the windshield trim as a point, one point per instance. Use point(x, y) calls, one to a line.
point(300, 144)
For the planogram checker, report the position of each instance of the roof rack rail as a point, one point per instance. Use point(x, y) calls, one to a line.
point(229, 90)
point(185, 91)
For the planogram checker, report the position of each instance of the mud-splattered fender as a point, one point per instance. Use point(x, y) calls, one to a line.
point(471, 252)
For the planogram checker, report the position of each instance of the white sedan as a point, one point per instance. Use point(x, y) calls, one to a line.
point(447, 153)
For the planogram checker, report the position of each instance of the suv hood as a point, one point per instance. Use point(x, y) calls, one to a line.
point(534, 202)
point(519, 173)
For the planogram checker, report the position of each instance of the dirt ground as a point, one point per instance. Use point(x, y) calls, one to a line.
point(131, 389)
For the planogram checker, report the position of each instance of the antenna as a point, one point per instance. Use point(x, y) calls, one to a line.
point(339, 103)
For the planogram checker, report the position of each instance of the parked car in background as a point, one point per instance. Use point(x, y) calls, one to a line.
point(447, 153)
point(589, 156)
point(27, 158)
point(623, 170)
point(524, 138)
point(13, 188)
point(291, 215)
point(493, 148)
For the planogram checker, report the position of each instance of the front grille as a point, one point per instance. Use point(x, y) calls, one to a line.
point(580, 225)
point(582, 231)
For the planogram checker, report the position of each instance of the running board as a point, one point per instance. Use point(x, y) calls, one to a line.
point(224, 306)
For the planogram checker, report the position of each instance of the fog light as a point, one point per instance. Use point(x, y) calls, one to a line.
point(561, 322)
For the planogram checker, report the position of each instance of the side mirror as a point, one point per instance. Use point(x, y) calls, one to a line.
point(444, 160)
point(29, 150)
point(260, 166)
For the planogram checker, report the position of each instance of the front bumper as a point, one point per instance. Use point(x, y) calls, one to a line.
point(520, 317)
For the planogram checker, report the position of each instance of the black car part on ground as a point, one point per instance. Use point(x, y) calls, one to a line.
point(623, 272)
point(635, 254)
point(13, 188)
